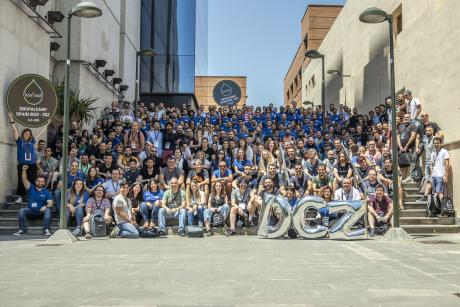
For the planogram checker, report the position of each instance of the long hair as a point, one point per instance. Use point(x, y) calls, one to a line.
point(139, 196)
point(93, 194)
point(73, 191)
point(222, 191)
point(323, 189)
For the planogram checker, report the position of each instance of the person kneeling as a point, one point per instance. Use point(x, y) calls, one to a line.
point(380, 210)
point(126, 223)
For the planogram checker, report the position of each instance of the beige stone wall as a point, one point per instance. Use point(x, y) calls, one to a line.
point(426, 62)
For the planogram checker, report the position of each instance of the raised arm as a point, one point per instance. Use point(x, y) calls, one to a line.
point(25, 181)
point(13, 127)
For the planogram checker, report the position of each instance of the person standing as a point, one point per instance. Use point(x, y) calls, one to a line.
point(26, 155)
point(440, 163)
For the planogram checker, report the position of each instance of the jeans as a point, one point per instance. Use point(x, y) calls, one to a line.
point(26, 213)
point(79, 214)
point(144, 210)
point(162, 216)
point(191, 215)
point(128, 230)
point(224, 210)
point(57, 201)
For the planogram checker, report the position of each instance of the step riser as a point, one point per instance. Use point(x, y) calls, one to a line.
point(404, 213)
point(415, 206)
point(440, 221)
point(432, 230)
point(32, 223)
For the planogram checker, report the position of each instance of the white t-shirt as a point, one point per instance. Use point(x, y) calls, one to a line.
point(353, 194)
point(121, 202)
point(437, 160)
point(413, 107)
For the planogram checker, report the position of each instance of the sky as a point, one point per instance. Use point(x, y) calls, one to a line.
point(257, 39)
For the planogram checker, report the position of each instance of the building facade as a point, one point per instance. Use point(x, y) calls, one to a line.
point(205, 85)
point(177, 31)
point(26, 47)
point(426, 34)
point(315, 24)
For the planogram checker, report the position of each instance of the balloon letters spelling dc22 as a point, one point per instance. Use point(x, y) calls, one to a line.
point(276, 217)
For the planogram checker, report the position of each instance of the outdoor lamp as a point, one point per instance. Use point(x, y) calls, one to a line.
point(86, 9)
point(35, 3)
point(54, 16)
point(108, 73)
point(99, 63)
point(54, 46)
point(336, 72)
point(373, 15)
point(144, 52)
point(116, 81)
point(313, 54)
point(123, 87)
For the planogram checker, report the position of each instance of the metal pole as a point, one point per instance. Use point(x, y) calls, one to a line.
point(136, 90)
point(394, 142)
point(323, 95)
point(65, 141)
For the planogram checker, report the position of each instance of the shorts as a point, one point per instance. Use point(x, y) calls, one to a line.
point(438, 184)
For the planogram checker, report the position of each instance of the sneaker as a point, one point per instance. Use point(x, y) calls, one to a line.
point(200, 224)
point(372, 232)
point(231, 232)
point(114, 233)
point(88, 236)
point(19, 200)
point(162, 233)
point(76, 232)
point(47, 232)
point(19, 233)
point(408, 180)
point(423, 199)
point(251, 223)
point(182, 233)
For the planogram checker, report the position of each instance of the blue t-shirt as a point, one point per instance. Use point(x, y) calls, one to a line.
point(37, 199)
point(71, 178)
point(91, 184)
point(152, 197)
point(78, 199)
point(218, 173)
point(26, 151)
point(241, 164)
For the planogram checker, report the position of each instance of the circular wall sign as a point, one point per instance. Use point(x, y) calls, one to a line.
point(227, 93)
point(32, 100)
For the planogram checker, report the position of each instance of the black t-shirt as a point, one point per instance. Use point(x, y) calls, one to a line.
point(342, 170)
point(169, 140)
point(435, 127)
point(91, 150)
point(104, 169)
point(300, 183)
point(149, 175)
point(361, 139)
point(405, 132)
point(131, 176)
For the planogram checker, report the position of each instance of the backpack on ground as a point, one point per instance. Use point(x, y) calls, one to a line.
point(194, 231)
point(447, 206)
point(217, 220)
point(433, 207)
point(149, 233)
point(98, 226)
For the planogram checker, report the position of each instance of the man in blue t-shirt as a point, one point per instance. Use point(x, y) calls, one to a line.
point(39, 204)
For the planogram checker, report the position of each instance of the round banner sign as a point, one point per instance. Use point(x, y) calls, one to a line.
point(32, 100)
point(227, 93)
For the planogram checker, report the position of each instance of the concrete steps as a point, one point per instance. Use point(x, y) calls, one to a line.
point(431, 229)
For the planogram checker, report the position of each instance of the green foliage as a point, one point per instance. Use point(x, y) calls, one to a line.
point(82, 110)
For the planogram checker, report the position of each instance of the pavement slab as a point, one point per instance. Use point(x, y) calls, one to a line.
point(229, 271)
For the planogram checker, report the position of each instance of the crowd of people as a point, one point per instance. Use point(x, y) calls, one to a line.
point(214, 168)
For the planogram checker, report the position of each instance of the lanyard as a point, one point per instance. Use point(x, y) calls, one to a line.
point(113, 186)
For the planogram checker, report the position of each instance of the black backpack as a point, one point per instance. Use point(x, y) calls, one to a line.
point(97, 223)
point(217, 220)
point(432, 207)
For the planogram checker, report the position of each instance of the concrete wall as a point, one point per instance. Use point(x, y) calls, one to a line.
point(24, 48)
point(426, 62)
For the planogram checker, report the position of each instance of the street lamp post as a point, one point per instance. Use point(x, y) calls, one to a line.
point(85, 10)
point(314, 54)
point(375, 15)
point(144, 52)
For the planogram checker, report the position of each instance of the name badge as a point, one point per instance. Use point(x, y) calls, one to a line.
point(156, 144)
point(167, 145)
point(33, 205)
point(242, 205)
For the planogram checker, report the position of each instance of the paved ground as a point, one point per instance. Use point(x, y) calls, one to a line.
point(225, 271)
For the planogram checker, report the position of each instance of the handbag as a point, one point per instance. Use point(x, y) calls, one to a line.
point(404, 159)
point(447, 206)
point(217, 220)
point(194, 231)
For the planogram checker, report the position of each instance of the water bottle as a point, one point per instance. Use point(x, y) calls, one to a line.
point(326, 221)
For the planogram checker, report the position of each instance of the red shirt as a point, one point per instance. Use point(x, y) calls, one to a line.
point(382, 205)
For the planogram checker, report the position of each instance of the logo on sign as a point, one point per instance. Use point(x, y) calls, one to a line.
point(227, 93)
point(33, 93)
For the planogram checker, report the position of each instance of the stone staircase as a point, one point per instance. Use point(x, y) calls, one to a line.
point(413, 218)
